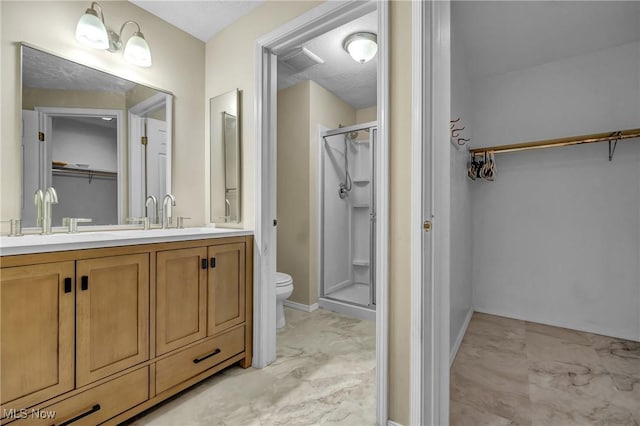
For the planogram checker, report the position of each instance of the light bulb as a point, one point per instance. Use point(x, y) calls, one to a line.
point(91, 31)
point(361, 46)
point(137, 50)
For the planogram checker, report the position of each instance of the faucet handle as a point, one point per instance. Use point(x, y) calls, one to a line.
point(144, 220)
point(180, 224)
point(16, 227)
point(72, 223)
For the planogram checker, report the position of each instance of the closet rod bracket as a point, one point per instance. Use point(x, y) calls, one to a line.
point(613, 143)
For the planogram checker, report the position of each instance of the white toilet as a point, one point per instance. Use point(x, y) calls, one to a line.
point(284, 288)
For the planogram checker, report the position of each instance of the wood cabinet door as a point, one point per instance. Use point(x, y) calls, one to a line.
point(36, 343)
point(181, 298)
point(112, 315)
point(226, 284)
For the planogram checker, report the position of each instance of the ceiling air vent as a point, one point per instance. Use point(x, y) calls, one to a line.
point(300, 59)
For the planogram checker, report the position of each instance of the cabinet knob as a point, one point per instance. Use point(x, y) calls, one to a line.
point(204, 263)
point(213, 262)
point(84, 283)
point(67, 285)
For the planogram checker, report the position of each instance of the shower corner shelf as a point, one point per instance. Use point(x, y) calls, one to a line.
point(362, 180)
point(360, 205)
point(360, 262)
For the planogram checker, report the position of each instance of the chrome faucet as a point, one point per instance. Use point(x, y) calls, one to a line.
point(166, 216)
point(38, 200)
point(50, 198)
point(154, 214)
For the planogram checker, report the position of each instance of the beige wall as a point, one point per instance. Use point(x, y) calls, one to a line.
point(293, 184)
point(301, 109)
point(32, 97)
point(366, 115)
point(230, 64)
point(399, 209)
point(51, 25)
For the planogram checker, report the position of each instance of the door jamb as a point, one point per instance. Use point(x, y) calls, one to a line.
point(430, 200)
point(312, 23)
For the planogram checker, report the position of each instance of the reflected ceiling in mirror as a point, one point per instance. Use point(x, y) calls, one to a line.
point(102, 141)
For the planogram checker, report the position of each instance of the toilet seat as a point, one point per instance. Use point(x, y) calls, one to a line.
point(283, 280)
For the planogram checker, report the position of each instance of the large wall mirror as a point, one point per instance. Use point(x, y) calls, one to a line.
point(225, 158)
point(103, 142)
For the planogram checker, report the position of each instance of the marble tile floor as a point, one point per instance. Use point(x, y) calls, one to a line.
point(324, 374)
point(512, 372)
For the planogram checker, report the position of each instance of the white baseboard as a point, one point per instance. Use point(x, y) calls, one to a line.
point(392, 423)
point(300, 306)
point(461, 333)
point(587, 328)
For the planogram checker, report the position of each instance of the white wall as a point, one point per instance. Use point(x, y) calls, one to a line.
point(556, 237)
point(77, 142)
point(460, 287)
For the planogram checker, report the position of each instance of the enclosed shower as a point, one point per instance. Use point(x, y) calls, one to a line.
point(347, 220)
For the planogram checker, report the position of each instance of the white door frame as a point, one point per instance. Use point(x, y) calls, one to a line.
point(430, 200)
point(136, 130)
point(45, 114)
point(308, 25)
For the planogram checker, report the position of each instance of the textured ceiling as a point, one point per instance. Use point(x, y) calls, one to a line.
point(44, 71)
point(201, 19)
point(505, 36)
point(349, 80)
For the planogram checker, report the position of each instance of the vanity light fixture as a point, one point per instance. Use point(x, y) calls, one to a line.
point(361, 46)
point(92, 31)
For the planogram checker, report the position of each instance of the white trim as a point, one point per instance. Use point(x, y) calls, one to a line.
point(461, 333)
point(322, 18)
point(418, 43)
point(382, 218)
point(300, 306)
point(346, 308)
point(430, 200)
point(587, 328)
point(45, 114)
point(137, 111)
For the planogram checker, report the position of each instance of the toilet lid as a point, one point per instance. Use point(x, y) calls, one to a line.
point(283, 279)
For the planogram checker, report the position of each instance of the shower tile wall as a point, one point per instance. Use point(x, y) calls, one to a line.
point(360, 199)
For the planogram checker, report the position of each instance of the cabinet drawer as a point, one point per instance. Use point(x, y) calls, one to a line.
point(190, 362)
point(96, 405)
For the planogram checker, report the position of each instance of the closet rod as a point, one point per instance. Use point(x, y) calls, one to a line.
point(551, 143)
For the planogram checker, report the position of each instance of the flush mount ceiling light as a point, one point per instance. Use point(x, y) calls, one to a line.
point(361, 46)
point(92, 32)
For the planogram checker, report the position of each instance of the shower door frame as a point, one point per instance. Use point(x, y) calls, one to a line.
point(371, 127)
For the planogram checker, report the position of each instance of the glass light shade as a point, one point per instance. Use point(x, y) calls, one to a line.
point(362, 47)
point(91, 31)
point(137, 50)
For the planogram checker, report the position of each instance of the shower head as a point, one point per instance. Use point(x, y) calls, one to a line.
point(352, 136)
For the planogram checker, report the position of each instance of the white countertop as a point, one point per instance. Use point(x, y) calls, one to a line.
point(84, 240)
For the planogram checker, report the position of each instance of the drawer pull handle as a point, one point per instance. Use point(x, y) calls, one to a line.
point(67, 285)
point(213, 262)
point(199, 360)
point(84, 285)
point(204, 263)
point(81, 416)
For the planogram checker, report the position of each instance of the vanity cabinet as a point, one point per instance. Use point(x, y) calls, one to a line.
point(99, 335)
point(181, 298)
point(112, 315)
point(36, 344)
point(226, 287)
